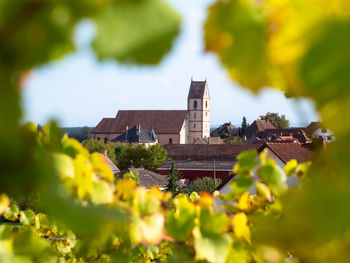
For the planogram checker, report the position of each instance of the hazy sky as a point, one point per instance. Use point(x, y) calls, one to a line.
point(79, 91)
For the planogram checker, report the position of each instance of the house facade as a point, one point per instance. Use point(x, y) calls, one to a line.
point(169, 126)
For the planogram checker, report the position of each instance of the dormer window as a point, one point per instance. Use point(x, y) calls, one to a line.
point(195, 104)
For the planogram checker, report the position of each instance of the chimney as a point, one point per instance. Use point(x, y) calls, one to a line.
point(126, 133)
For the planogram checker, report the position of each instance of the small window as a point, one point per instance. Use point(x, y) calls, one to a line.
point(323, 130)
point(194, 115)
point(206, 104)
point(194, 125)
point(170, 140)
point(98, 138)
point(195, 104)
point(206, 113)
point(329, 138)
point(105, 140)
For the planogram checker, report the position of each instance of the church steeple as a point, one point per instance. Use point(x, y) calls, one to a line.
point(198, 106)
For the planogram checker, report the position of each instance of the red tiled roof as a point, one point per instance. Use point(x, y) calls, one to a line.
point(162, 121)
point(108, 161)
point(206, 151)
point(288, 151)
point(197, 89)
point(258, 126)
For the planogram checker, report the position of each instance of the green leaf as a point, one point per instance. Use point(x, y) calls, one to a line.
point(12, 213)
point(240, 185)
point(212, 247)
point(139, 32)
point(291, 167)
point(102, 193)
point(246, 161)
point(264, 191)
point(180, 222)
point(237, 32)
point(42, 221)
point(273, 176)
point(27, 217)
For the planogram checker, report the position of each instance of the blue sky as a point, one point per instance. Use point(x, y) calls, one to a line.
point(79, 91)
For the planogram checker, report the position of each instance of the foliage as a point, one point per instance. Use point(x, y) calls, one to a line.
point(139, 156)
point(234, 140)
point(279, 122)
point(99, 146)
point(205, 184)
point(82, 134)
point(244, 125)
point(298, 46)
point(225, 135)
point(174, 180)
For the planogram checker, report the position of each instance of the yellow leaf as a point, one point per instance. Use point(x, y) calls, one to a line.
point(101, 168)
point(243, 202)
point(4, 203)
point(240, 227)
point(124, 188)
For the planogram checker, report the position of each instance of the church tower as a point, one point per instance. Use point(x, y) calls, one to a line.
point(198, 111)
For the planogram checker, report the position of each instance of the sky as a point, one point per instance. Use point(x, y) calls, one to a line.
point(80, 91)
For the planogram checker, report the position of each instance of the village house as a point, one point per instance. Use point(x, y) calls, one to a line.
point(137, 135)
point(315, 131)
point(195, 161)
point(169, 126)
point(281, 153)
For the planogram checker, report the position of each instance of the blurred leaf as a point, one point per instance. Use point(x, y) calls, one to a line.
point(12, 213)
point(180, 222)
point(139, 32)
point(237, 32)
point(4, 203)
point(273, 176)
point(264, 191)
point(241, 185)
point(27, 217)
point(102, 193)
point(291, 167)
point(246, 161)
point(240, 226)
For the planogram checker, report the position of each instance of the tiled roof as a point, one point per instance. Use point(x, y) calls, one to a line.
point(288, 151)
point(162, 121)
point(137, 135)
point(197, 89)
point(147, 178)
point(209, 140)
point(312, 127)
point(198, 165)
point(206, 151)
point(257, 126)
point(273, 134)
point(108, 161)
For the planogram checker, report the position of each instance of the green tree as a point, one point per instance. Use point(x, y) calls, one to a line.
point(140, 156)
point(174, 180)
point(99, 146)
point(225, 135)
point(244, 125)
point(82, 134)
point(205, 184)
point(279, 122)
point(235, 140)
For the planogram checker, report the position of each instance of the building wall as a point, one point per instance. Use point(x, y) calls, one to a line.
point(195, 174)
point(102, 136)
point(164, 138)
point(326, 134)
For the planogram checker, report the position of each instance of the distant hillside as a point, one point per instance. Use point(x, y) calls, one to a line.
point(79, 133)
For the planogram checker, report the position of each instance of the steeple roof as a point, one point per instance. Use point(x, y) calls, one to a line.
point(197, 89)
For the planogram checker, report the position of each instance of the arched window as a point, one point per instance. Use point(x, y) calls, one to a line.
point(195, 115)
point(206, 104)
point(206, 113)
point(170, 140)
point(105, 140)
point(195, 104)
point(194, 125)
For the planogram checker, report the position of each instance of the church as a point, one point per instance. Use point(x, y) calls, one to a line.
point(169, 126)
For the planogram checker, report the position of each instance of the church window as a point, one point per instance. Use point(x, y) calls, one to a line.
point(98, 138)
point(170, 140)
point(206, 113)
point(105, 140)
point(195, 115)
point(195, 104)
point(194, 125)
point(206, 104)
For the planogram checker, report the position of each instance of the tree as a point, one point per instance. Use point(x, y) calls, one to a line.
point(139, 156)
point(174, 180)
point(99, 146)
point(235, 140)
point(225, 135)
point(206, 184)
point(279, 122)
point(244, 125)
point(81, 135)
